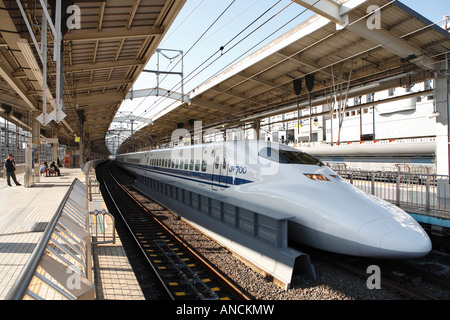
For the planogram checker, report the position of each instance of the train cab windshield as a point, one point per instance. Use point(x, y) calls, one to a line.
point(287, 156)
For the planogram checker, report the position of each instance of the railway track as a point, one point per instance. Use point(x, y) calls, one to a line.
point(399, 276)
point(387, 282)
point(174, 282)
point(181, 272)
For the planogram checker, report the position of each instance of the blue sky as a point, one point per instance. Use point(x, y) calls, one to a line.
point(434, 10)
point(232, 16)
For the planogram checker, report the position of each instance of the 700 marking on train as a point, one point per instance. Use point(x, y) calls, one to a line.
point(238, 169)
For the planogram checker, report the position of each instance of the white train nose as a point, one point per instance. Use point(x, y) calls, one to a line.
point(408, 243)
point(388, 238)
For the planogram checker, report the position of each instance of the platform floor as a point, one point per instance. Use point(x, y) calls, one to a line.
point(113, 274)
point(24, 215)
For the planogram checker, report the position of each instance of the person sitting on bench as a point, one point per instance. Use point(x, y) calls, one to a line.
point(53, 167)
point(43, 168)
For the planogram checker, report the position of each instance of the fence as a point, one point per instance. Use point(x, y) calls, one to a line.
point(422, 191)
point(100, 220)
point(60, 267)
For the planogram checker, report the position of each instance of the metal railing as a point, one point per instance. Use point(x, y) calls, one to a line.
point(100, 221)
point(89, 171)
point(60, 267)
point(422, 191)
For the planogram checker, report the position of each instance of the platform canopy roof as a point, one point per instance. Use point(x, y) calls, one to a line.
point(101, 62)
point(343, 46)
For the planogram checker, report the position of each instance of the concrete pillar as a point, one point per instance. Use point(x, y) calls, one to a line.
point(257, 127)
point(55, 149)
point(36, 144)
point(442, 98)
point(28, 179)
point(81, 161)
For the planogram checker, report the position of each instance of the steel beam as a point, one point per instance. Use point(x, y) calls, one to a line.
point(158, 92)
point(108, 35)
point(104, 65)
point(391, 43)
point(326, 8)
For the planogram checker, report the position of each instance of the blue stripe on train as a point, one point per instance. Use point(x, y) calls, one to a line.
point(219, 180)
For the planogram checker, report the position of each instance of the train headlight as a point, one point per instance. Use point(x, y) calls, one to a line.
point(316, 177)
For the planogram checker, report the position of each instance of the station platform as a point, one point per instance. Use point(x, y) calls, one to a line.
point(24, 215)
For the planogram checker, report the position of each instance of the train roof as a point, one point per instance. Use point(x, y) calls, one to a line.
point(227, 144)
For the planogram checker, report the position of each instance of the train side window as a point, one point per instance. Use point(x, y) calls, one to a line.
point(186, 165)
point(285, 156)
point(191, 165)
point(197, 165)
point(204, 165)
point(298, 158)
point(181, 164)
point(224, 166)
point(217, 162)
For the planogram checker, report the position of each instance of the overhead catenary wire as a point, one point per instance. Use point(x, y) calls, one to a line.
point(248, 78)
point(257, 44)
point(184, 20)
point(254, 21)
point(231, 20)
point(159, 101)
point(345, 59)
point(226, 44)
point(195, 43)
point(337, 62)
point(342, 60)
point(215, 53)
point(313, 45)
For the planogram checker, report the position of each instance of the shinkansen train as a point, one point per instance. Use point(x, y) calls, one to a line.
point(382, 155)
point(269, 178)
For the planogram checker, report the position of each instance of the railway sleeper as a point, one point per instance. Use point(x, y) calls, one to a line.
point(190, 277)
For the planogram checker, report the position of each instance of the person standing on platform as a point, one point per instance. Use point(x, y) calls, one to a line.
point(10, 167)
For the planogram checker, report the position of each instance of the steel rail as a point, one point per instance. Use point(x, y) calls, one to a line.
point(213, 271)
point(336, 260)
point(217, 273)
point(133, 234)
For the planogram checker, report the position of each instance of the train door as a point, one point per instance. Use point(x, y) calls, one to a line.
point(220, 170)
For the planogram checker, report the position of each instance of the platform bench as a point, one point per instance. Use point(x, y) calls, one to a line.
point(48, 173)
